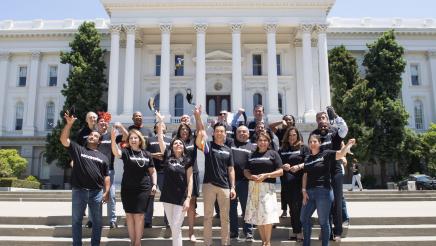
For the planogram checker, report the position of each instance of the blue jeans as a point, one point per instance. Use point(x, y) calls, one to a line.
point(112, 199)
point(320, 199)
point(337, 211)
point(241, 187)
point(150, 209)
point(81, 198)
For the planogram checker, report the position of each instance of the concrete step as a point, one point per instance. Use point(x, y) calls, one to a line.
point(279, 233)
point(358, 241)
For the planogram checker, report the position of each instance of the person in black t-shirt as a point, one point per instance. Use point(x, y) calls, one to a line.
point(292, 152)
point(177, 184)
point(137, 190)
point(258, 113)
point(316, 186)
point(158, 159)
point(356, 176)
point(264, 166)
point(241, 150)
point(91, 125)
point(89, 175)
point(331, 139)
point(184, 133)
point(138, 125)
point(279, 128)
point(219, 177)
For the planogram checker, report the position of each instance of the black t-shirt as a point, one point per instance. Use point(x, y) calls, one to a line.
point(241, 153)
point(217, 160)
point(356, 170)
point(106, 148)
point(293, 156)
point(146, 132)
point(229, 131)
point(153, 147)
point(266, 162)
point(280, 133)
point(136, 164)
point(90, 167)
point(318, 167)
point(331, 141)
point(175, 181)
point(82, 136)
point(191, 151)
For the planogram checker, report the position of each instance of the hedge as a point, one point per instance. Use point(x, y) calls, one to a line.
point(19, 183)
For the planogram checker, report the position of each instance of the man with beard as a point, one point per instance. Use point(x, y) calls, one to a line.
point(331, 139)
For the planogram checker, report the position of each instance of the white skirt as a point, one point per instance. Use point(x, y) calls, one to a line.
point(262, 207)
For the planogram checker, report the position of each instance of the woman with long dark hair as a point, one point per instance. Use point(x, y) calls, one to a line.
point(292, 152)
point(137, 190)
point(184, 133)
point(263, 167)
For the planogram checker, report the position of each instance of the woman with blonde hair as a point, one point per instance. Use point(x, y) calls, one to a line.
point(263, 167)
point(137, 189)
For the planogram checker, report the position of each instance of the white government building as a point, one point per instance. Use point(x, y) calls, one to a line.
point(229, 53)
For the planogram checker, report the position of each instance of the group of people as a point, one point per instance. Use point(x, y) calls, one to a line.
point(242, 162)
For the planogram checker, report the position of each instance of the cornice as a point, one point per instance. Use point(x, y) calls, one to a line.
point(43, 33)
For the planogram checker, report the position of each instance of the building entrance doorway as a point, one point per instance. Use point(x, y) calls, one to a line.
point(217, 103)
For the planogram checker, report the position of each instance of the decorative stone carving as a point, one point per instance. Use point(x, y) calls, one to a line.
point(270, 28)
point(321, 28)
point(200, 28)
point(36, 55)
point(298, 43)
point(129, 29)
point(236, 28)
point(306, 28)
point(115, 29)
point(165, 28)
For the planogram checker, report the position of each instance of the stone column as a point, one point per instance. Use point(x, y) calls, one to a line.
point(272, 111)
point(112, 99)
point(432, 59)
point(236, 68)
point(4, 65)
point(164, 95)
point(324, 79)
point(32, 85)
point(309, 112)
point(200, 75)
point(129, 71)
point(300, 80)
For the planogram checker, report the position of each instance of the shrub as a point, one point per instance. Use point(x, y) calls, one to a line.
point(32, 178)
point(11, 163)
point(19, 183)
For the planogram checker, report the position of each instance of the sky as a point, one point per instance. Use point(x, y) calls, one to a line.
point(91, 9)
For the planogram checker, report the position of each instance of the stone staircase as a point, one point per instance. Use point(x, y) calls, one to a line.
point(377, 218)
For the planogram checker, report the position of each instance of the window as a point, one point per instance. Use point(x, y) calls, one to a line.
point(44, 172)
point(179, 65)
point(279, 65)
point(280, 103)
point(19, 111)
point(212, 108)
point(414, 74)
point(49, 116)
point(257, 65)
point(22, 76)
point(53, 76)
point(257, 99)
point(225, 104)
point(157, 63)
point(419, 115)
point(156, 101)
point(178, 104)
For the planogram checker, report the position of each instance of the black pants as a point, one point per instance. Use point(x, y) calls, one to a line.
point(291, 196)
point(336, 211)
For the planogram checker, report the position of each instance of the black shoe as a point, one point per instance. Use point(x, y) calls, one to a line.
point(113, 225)
point(249, 238)
point(88, 224)
point(233, 235)
point(147, 225)
point(217, 216)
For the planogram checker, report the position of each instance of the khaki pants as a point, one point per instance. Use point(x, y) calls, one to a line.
point(210, 194)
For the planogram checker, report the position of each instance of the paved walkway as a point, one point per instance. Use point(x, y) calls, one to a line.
point(355, 209)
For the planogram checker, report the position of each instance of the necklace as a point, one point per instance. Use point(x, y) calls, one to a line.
point(136, 158)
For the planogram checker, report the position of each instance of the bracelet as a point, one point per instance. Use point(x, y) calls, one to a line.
point(304, 189)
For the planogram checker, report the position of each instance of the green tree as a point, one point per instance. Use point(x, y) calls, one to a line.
point(85, 87)
point(11, 163)
point(386, 117)
point(429, 148)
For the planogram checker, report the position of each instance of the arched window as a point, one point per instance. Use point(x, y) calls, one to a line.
point(212, 108)
point(280, 103)
point(225, 104)
point(257, 99)
point(19, 113)
point(419, 115)
point(178, 104)
point(49, 116)
point(157, 101)
point(44, 171)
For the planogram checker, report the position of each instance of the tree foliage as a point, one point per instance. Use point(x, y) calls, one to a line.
point(429, 148)
point(85, 88)
point(11, 163)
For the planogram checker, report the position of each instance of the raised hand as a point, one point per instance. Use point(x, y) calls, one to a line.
point(69, 118)
point(197, 111)
point(331, 113)
point(159, 117)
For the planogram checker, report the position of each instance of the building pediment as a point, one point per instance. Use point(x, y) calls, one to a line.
point(218, 55)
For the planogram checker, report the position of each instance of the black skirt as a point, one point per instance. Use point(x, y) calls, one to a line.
point(196, 184)
point(135, 201)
